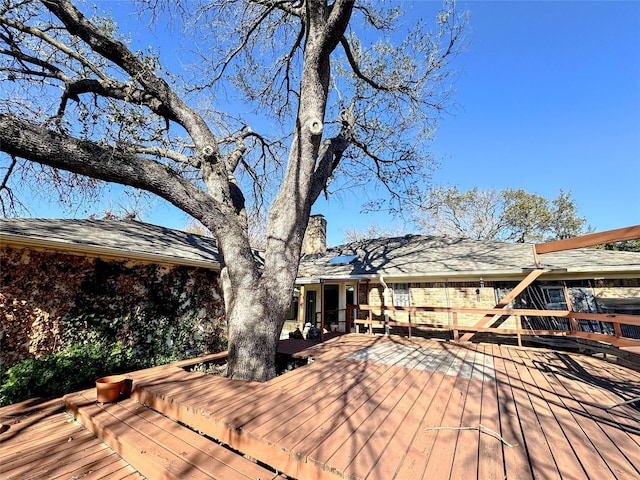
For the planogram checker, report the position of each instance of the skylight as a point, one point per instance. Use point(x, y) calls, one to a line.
point(342, 259)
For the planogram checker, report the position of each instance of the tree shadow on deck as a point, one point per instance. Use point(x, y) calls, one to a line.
point(372, 406)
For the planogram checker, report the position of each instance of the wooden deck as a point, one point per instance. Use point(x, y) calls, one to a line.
point(393, 408)
point(43, 442)
point(383, 408)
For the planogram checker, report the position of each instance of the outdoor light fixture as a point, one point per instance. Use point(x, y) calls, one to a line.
point(478, 289)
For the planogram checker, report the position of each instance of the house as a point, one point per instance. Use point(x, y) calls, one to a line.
point(162, 286)
point(454, 276)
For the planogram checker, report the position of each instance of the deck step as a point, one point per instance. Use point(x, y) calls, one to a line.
point(158, 447)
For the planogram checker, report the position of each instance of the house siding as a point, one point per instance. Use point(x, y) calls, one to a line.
point(620, 288)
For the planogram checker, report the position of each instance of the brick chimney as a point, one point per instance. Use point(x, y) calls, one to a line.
point(315, 238)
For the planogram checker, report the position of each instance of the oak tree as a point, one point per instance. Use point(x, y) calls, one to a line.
point(511, 215)
point(285, 100)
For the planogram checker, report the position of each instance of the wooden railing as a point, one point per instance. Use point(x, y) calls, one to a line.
point(345, 318)
point(453, 325)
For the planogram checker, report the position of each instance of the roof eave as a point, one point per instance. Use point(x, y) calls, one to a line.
point(510, 274)
point(66, 247)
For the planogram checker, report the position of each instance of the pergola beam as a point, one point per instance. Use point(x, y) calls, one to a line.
point(590, 240)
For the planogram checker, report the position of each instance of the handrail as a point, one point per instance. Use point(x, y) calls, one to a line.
point(347, 318)
point(617, 338)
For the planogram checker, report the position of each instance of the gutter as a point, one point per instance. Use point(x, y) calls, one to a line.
point(501, 275)
point(385, 294)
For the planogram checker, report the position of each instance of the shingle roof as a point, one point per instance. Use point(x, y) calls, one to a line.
point(420, 255)
point(125, 239)
point(409, 256)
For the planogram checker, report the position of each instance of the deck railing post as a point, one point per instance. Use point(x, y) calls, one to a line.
point(617, 331)
point(456, 336)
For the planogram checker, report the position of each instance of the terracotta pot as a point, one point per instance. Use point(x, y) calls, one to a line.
point(109, 388)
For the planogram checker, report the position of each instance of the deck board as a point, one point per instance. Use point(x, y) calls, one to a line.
point(555, 421)
point(342, 415)
point(393, 457)
point(575, 455)
point(516, 458)
point(357, 452)
point(44, 443)
point(592, 429)
point(383, 444)
point(464, 463)
point(490, 449)
point(312, 405)
point(538, 450)
point(444, 449)
point(415, 461)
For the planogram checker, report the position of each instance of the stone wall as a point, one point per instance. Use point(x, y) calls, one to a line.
point(51, 300)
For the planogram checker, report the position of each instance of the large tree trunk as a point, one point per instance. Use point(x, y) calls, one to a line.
point(255, 314)
point(254, 327)
point(256, 304)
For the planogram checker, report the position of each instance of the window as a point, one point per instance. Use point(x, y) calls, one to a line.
point(554, 298)
point(342, 260)
point(400, 294)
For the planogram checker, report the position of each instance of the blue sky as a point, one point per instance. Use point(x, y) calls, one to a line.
point(548, 98)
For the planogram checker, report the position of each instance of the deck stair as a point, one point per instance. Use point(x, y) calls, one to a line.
point(158, 447)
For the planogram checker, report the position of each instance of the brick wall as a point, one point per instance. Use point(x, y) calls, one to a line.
point(440, 294)
point(49, 300)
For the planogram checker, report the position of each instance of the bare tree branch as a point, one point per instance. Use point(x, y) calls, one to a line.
point(9, 205)
point(116, 90)
point(119, 54)
point(53, 42)
point(119, 165)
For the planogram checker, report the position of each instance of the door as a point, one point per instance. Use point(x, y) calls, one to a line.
point(310, 307)
point(350, 314)
point(331, 306)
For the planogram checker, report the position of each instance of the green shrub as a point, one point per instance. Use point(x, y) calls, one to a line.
point(75, 368)
point(93, 355)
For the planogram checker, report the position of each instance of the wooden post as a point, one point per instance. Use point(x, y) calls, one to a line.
point(456, 336)
point(301, 307)
point(536, 258)
point(519, 329)
point(617, 331)
point(573, 323)
point(321, 311)
point(370, 323)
